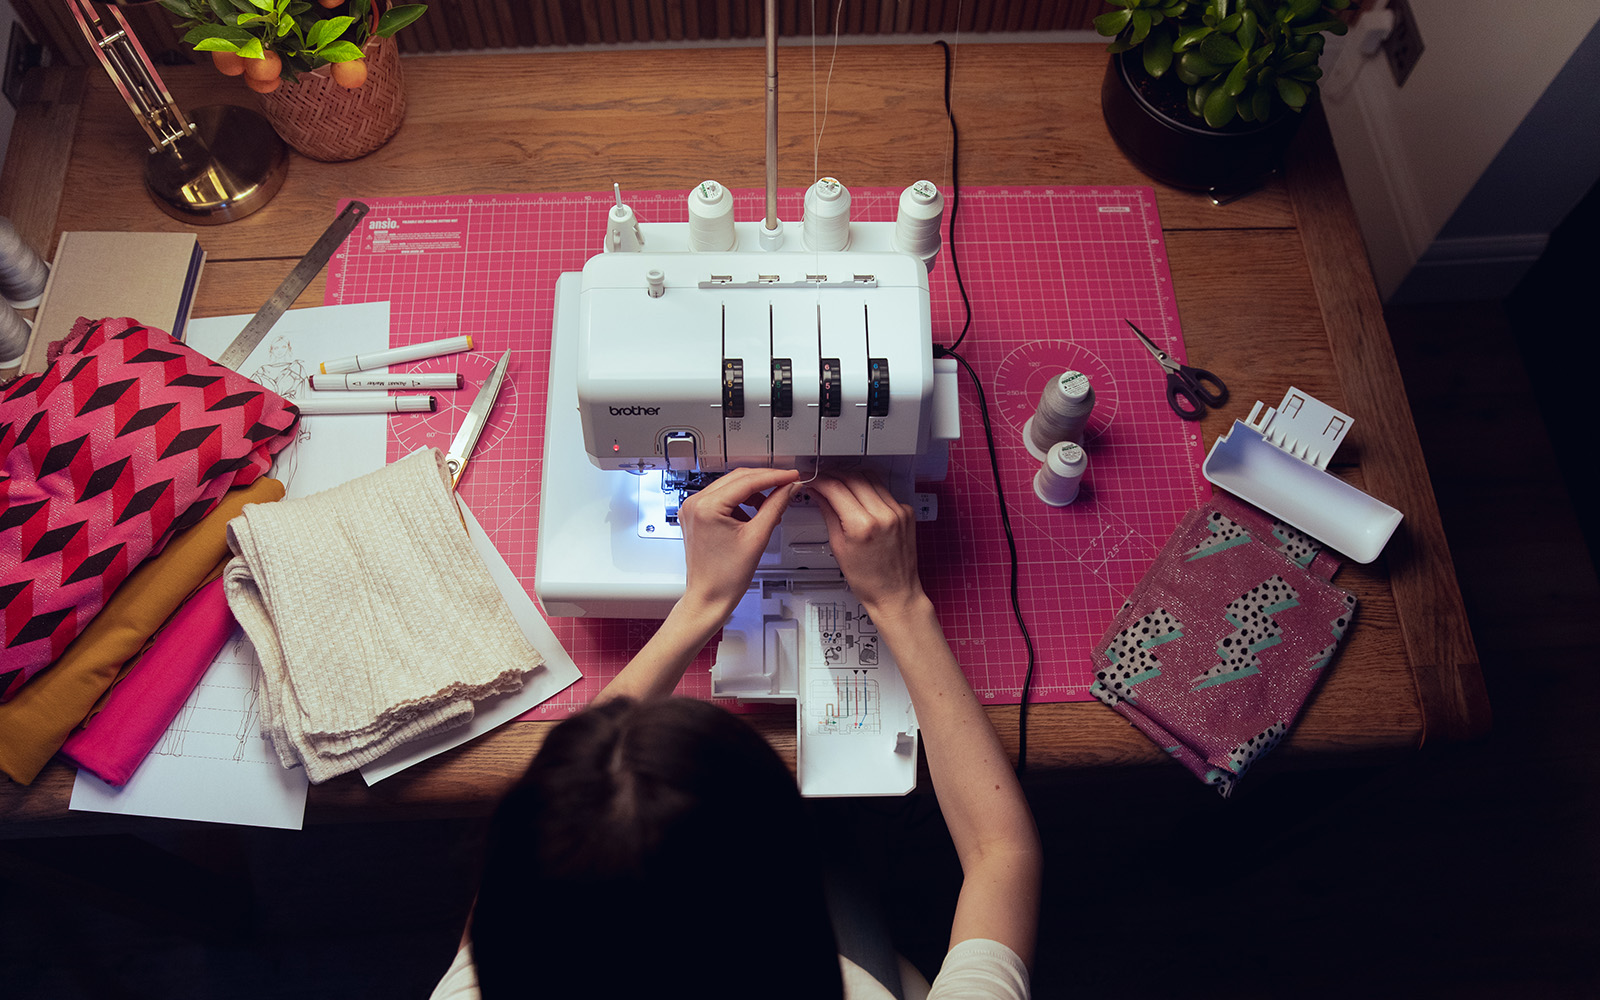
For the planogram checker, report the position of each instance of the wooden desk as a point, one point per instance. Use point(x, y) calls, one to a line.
point(1287, 259)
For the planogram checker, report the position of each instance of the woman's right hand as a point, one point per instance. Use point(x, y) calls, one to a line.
point(874, 539)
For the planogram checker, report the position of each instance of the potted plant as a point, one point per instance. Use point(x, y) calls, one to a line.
point(328, 72)
point(1206, 94)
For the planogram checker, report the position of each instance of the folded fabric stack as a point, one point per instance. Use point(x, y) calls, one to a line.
point(375, 620)
point(114, 460)
point(1221, 643)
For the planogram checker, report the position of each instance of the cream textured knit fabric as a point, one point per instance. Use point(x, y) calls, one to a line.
point(375, 620)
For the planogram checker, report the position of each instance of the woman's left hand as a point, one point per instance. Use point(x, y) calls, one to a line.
point(723, 544)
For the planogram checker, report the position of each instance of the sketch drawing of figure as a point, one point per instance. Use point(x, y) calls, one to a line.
point(247, 719)
point(285, 374)
point(171, 744)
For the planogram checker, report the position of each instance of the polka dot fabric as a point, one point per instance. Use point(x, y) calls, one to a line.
point(1224, 639)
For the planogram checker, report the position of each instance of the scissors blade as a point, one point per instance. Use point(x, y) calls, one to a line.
point(477, 418)
point(1150, 345)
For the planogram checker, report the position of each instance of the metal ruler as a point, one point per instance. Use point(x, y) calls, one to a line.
point(309, 267)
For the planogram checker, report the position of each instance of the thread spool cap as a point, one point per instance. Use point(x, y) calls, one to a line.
point(1058, 479)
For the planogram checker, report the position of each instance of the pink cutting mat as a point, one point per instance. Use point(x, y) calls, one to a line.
point(1051, 273)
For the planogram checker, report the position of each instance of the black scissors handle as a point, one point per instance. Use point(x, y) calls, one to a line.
point(1191, 390)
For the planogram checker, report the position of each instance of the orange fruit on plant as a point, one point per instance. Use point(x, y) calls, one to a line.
point(350, 74)
point(228, 63)
point(268, 67)
point(330, 4)
point(263, 86)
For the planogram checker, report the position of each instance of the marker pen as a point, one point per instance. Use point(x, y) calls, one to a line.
point(378, 380)
point(397, 355)
point(363, 402)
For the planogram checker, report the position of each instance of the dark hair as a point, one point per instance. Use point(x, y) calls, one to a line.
point(649, 842)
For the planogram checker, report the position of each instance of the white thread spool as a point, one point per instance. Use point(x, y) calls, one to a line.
point(22, 272)
point(1058, 479)
point(916, 225)
point(826, 224)
point(13, 337)
point(710, 218)
point(1062, 414)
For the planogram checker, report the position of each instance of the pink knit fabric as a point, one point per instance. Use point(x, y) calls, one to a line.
point(138, 711)
point(125, 439)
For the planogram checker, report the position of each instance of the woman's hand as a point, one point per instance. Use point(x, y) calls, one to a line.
point(874, 538)
point(722, 544)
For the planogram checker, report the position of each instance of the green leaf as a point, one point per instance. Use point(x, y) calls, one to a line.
point(215, 45)
point(1220, 49)
point(1249, 29)
point(1157, 54)
point(327, 30)
point(252, 49)
point(1231, 23)
point(1122, 3)
point(1219, 108)
point(1197, 99)
point(1189, 38)
point(340, 52)
point(1301, 9)
point(1140, 27)
point(1261, 103)
point(396, 18)
point(1318, 27)
point(1293, 92)
point(265, 5)
point(181, 8)
point(1235, 83)
point(1192, 68)
point(203, 32)
point(1112, 22)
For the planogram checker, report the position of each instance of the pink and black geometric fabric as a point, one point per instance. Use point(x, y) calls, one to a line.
point(126, 439)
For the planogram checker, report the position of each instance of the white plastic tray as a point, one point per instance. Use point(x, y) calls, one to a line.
point(1328, 509)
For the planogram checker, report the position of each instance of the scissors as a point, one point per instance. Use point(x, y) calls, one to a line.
point(1196, 387)
point(455, 459)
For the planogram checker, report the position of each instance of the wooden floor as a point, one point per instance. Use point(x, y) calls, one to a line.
point(1468, 871)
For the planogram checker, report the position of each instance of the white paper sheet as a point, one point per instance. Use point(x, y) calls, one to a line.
point(558, 673)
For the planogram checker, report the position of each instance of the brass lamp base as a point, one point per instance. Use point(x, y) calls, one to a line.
point(230, 166)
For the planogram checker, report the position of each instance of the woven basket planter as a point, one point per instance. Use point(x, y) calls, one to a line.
point(328, 122)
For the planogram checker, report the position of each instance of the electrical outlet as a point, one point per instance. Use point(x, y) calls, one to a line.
point(1404, 44)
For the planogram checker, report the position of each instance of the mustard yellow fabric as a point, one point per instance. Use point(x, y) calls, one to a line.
point(35, 723)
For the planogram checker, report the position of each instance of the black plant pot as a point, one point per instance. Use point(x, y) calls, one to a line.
point(1192, 156)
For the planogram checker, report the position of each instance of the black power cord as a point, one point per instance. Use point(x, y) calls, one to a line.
point(988, 426)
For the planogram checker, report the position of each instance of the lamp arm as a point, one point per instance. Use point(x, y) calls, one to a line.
point(135, 76)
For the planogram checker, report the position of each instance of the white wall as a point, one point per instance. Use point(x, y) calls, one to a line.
point(1412, 155)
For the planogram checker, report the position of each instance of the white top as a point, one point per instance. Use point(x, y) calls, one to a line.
point(973, 970)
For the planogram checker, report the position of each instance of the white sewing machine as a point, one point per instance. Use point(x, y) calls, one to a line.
point(684, 350)
point(671, 365)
